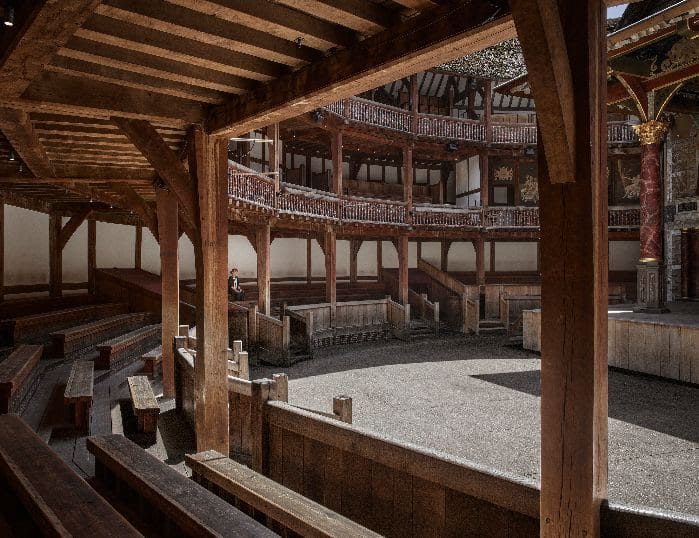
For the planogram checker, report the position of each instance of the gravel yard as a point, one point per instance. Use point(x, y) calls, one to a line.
point(477, 398)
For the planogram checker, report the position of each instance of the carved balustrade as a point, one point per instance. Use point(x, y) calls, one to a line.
point(446, 127)
point(624, 217)
point(621, 132)
point(445, 217)
point(371, 210)
point(511, 217)
point(251, 188)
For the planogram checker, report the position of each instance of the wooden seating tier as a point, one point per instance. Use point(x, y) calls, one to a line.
point(75, 339)
point(152, 360)
point(53, 500)
point(79, 392)
point(12, 308)
point(18, 375)
point(186, 507)
point(120, 349)
point(145, 406)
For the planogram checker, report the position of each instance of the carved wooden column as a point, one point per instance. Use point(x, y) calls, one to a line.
point(414, 104)
point(138, 248)
point(485, 178)
point(650, 268)
point(55, 255)
point(263, 247)
point(478, 246)
point(403, 273)
point(336, 152)
point(2, 250)
point(91, 254)
point(408, 182)
point(208, 167)
point(444, 256)
point(330, 248)
point(168, 236)
point(309, 261)
point(684, 263)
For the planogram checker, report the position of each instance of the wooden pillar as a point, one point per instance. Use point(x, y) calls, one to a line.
point(309, 172)
point(379, 259)
point(355, 245)
point(444, 258)
point(138, 247)
point(168, 235)
point(330, 267)
point(2, 250)
point(208, 166)
point(263, 247)
point(485, 178)
point(408, 181)
point(403, 269)
point(478, 246)
point(309, 261)
point(91, 254)
point(574, 256)
point(414, 104)
point(336, 152)
point(492, 256)
point(55, 255)
point(419, 249)
point(274, 154)
point(488, 110)
point(684, 263)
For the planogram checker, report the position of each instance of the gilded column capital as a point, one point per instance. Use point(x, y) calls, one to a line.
point(650, 132)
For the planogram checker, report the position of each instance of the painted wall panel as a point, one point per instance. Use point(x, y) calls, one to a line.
point(26, 246)
point(75, 255)
point(623, 255)
point(515, 256)
point(115, 245)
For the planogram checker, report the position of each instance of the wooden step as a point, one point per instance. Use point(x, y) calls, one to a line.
point(76, 339)
point(35, 327)
point(129, 346)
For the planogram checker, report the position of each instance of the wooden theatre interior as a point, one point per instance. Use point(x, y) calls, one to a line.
point(375, 169)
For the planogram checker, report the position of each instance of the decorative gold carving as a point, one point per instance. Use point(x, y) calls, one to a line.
point(504, 173)
point(530, 189)
point(683, 53)
point(650, 132)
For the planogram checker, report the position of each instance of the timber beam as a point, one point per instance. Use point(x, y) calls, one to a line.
point(17, 128)
point(71, 227)
point(138, 205)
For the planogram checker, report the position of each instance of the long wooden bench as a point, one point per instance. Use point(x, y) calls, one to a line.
point(78, 393)
point(284, 509)
point(152, 360)
point(70, 341)
point(51, 499)
point(145, 406)
point(18, 376)
point(26, 329)
point(12, 308)
point(189, 508)
point(116, 351)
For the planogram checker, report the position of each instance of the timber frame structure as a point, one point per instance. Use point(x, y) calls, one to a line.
point(122, 110)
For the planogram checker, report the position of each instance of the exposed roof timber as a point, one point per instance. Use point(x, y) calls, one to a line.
point(449, 31)
point(657, 21)
point(138, 205)
point(359, 15)
point(17, 128)
point(52, 25)
point(617, 92)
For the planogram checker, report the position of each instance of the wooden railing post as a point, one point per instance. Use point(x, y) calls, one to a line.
point(286, 337)
point(342, 408)
point(280, 388)
point(436, 317)
point(252, 327)
point(259, 438)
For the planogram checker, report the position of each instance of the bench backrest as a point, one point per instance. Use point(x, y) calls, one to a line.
point(192, 509)
point(59, 501)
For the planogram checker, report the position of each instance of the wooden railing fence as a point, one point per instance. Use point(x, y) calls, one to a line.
point(424, 308)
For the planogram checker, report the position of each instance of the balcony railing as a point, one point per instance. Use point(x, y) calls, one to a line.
point(430, 125)
point(292, 200)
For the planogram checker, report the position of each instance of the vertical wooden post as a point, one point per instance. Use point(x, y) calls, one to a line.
point(336, 152)
point(168, 234)
point(414, 104)
point(138, 247)
point(403, 269)
point(2, 250)
point(444, 258)
point(309, 261)
point(330, 267)
point(574, 292)
point(419, 249)
point(684, 263)
point(485, 178)
point(309, 171)
point(91, 254)
point(259, 394)
point(488, 110)
point(55, 255)
point(408, 182)
point(208, 166)
point(274, 154)
point(478, 246)
point(355, 244)
point(262, 239)
point(492, 256)
point(379, 259)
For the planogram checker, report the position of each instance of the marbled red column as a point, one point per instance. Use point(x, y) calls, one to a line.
point(651, 200)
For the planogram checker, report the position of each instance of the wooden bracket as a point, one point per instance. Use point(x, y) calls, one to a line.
point(138, 205)
point(635, 89)
point(71, 226)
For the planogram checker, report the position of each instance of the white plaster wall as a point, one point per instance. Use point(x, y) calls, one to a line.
point(26, 246)
point(115, 245)
point(362, 172)
point(432, 253)
point(75, 255)
point(462, 256)
point(623, 255)
point(420, 175)
point(186, 257)
point(345, 170)
point(375, 172)
point(316, 165)
point(150, 253)
point(243, 256)
point(288, 257)
point(515, 256)
point(389, 256)
point(343, 255)
point(317, 260)
point(391, 174)
point(366, 259)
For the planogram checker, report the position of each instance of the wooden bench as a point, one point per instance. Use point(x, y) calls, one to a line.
point(118, 350)
point(284, 509)
point(78, 393)
point(145, 406)
point(152, 360)
point(18, 377)
point(189, 508)
point(51, 499)
point(26, 329)
point(71, 341)
point(12, 308)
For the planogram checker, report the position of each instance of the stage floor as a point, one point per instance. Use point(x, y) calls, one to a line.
point(682, 314)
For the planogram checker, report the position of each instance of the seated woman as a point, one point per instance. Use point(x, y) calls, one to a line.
point(235, 292)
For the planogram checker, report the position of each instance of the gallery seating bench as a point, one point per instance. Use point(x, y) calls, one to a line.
point(152, 360)
point(27, 329)
point(18, 376)
point(12, 308)
point(282, 507)
point(78, 393)
point(70, 341)
point(145, 406)
point(48, 497)
point(187, 507)
point(118, 350)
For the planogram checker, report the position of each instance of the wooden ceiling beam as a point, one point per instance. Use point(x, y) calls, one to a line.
point(17, 128)
point(450, 31)
point(52, 24)
point(97, 172)
point(420, 5)
point(277, 20)
point(543, 41)
point(166, 163)
point(182, 22)
point(362, 16)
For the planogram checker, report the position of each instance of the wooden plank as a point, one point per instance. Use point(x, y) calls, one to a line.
point(337, 166)
point(330, 249)
point(382, 499)
point(313, 469)
point(428, 508)
point(234, 424)
point(292, 446)
point(402, 524)
point(276, 454)
point(142, 394)
point(356, 498)
point(403, 269)
point(360, 16)
point(334, 478)
point(138, 248)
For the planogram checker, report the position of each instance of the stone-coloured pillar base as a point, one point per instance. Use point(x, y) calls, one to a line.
point(650, 277)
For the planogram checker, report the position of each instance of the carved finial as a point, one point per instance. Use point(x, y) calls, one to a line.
point(650, 132)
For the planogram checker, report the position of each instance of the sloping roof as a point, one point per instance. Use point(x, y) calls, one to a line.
point(503, 61)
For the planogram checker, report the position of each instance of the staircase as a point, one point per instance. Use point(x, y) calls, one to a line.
point(420, 330)
point(491, 326)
